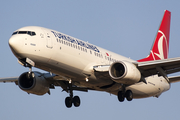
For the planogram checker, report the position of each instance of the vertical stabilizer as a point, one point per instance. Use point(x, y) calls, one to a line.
point(160, 46)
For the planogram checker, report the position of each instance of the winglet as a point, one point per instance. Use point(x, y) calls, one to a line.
point(160, 47)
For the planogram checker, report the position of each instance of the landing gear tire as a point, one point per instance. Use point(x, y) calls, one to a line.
point(68, 102)
point(76, 101)
point(129, 95)
point(120, 96)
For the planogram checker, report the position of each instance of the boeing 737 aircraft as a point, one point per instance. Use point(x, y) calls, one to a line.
point(77, 65)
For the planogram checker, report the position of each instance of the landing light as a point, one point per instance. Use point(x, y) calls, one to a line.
point(87, 79)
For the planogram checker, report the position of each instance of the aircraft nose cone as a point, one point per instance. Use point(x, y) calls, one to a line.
point(15, 44)
point(12, 42)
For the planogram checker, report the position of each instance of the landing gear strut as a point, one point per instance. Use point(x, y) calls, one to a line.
point(30, 73)
point(72, 100)
point(122, 95)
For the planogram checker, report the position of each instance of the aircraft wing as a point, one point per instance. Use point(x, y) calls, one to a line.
point(167, 66)
point(9, 79)
point(53, 79)
point(174, 79)
point(58, 80)
point(149, 68)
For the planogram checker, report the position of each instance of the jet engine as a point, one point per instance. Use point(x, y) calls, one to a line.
point(33, 82)
point(124, 72)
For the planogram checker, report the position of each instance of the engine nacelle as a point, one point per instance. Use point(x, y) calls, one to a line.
point(124, 72)
point(33, 83)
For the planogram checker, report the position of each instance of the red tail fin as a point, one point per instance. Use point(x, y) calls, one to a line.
point(160, 47)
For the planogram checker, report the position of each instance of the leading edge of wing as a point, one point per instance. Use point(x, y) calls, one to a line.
point(170, 65)
point(9, 79)
point(174, 79)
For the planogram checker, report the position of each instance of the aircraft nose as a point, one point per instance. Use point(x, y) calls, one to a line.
point(15, 44)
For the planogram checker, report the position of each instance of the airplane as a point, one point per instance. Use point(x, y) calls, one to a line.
point(74, 64)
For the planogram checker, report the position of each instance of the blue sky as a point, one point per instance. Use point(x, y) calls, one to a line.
point(125, 27)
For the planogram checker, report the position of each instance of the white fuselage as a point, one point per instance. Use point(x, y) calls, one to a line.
point(74, 60)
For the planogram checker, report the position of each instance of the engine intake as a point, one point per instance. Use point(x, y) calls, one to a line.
point(124, 72)
point(33, 83)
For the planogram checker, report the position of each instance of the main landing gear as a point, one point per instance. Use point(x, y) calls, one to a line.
point(122, 95)
point(72, 100)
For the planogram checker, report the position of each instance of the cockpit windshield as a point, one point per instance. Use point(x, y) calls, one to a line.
point(31, 33)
